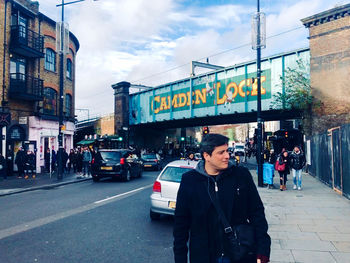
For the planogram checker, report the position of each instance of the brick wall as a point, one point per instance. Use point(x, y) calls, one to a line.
point(330, 72)
point(35, 67)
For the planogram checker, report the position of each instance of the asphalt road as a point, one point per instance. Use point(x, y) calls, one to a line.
point(85, 222)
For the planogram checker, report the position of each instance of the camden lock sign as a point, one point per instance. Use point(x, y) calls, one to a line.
point(208, 92)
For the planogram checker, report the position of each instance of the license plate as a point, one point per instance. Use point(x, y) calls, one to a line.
point(147, 165)
point(172, 204)
point(106, 168)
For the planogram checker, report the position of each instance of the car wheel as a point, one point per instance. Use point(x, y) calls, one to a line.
point(95, 179)
point(127, 177)
point(154, 215)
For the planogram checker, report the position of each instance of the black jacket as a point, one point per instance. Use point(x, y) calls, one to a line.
point(297, 161)
point(196, 218)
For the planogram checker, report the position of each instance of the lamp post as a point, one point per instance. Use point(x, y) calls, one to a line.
point(259, 38)
point(61, 51)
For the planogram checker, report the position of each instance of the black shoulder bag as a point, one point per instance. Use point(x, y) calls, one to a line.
point(240, 238)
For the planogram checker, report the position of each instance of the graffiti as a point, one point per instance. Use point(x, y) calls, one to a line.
point(206, 95)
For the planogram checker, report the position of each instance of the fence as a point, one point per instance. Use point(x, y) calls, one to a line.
point(328, 158)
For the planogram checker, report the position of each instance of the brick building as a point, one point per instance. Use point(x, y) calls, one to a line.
point(329, 35)
point(328, 148)
point(30, 74)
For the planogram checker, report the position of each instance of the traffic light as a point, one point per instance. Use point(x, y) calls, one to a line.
point(120, 138)
point(182, 139)
point(286, 134)
point(205, 130)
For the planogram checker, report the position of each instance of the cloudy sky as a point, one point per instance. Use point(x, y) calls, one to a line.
point(151, 42)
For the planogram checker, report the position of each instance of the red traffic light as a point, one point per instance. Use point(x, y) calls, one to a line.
point(205, 130)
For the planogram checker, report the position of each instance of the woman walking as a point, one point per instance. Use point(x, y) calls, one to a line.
point(282, 166)
point(297, 162)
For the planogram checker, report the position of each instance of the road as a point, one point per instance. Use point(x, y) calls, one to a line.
point(85, 222)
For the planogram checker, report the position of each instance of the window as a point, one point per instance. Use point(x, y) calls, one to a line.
point(69, 69)
point(68, 105)
point(50, 60)
point(50, 101)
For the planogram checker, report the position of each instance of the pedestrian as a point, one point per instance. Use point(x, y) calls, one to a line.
point(86, 161)
point(64, 160)
point(29, 167)
point(71, 160)
point(53, 160)
point(191, 156)
point(19, 161)
point(47, 158)
point(216, 183)
point(3, 167)
point(297, 162)
point(80, 160)
point(272, 158)
point(282, 166)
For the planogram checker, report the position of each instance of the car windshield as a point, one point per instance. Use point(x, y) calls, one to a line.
point(107, 156)
point(239, 147)
point(149, 156)
point(173, 174)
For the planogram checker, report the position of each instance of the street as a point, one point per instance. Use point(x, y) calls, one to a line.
point(84, 222)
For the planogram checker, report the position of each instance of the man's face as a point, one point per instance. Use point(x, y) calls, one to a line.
point(219, 158)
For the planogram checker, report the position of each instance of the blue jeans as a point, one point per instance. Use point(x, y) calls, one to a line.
point(86, 168)
point(297, 177)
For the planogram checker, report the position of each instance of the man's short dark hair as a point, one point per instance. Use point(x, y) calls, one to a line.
point(210, 141)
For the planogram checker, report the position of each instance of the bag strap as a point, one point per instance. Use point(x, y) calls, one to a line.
point(227, 228)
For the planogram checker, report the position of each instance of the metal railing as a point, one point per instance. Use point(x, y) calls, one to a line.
point(22, 36)
point(24, 86)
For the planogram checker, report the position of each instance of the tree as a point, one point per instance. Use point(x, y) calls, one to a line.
point(297, 95)
point(296, 83)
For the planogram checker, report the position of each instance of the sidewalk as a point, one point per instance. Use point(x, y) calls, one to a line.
point(311, 225)
point(13, 185)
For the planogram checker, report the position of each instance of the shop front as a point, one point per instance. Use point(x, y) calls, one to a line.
point(45, 134)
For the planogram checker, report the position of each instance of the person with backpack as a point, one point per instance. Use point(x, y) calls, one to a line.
point(282, 166)
point(297, 162)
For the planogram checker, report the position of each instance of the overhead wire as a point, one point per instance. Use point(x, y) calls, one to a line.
point(210, 56)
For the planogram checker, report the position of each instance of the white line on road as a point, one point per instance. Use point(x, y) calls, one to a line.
point(120, 195)
point(49, 219)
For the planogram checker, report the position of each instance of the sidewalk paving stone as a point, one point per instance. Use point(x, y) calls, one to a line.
point(341, 257)
point(311, 225)
point(313, 256)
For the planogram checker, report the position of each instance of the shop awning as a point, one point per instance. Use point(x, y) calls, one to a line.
point(86, 142)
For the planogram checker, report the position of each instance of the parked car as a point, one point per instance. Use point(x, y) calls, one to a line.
point(239, 149)
point(116, 163)
point(163, 197)
point(151, 161)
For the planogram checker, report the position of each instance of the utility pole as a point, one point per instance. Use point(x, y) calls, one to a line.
point(259, 43)
point(63, 37)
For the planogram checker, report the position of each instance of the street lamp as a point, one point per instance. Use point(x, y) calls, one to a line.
point(258, 42)
point(62, 38)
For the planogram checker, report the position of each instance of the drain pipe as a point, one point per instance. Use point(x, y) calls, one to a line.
point(4, 60)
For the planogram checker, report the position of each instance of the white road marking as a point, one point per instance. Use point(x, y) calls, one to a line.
point(49, 219)
point(120, 195)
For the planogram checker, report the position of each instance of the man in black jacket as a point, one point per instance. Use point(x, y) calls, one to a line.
point(196, 218)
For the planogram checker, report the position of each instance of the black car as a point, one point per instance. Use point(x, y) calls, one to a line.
point(151, 161)
point(116, 163)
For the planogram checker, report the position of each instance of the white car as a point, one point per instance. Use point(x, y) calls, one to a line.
point(163, 197)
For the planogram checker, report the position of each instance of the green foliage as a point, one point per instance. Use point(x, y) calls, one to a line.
point(297, 88)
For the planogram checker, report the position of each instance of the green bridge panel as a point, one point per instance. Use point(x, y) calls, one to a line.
point(226, 91)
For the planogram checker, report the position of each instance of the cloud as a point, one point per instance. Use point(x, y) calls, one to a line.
point(135, 40)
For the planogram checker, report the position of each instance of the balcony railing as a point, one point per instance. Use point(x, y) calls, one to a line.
point(26, 42)
point(25, 87)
